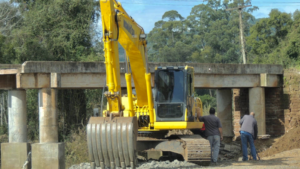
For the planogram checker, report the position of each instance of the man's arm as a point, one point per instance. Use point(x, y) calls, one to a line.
point(220, 129)
point(201, 118)
point(255, 131)
point(242, 120)
point(221, 133)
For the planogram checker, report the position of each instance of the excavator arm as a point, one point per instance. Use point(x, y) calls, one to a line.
point(118, 26)
point(112, 138)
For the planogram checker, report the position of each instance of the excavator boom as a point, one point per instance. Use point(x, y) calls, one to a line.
point(114, 139)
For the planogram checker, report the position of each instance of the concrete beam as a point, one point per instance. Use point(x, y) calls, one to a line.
point(48, 116)
point(96, 80)
point(85, 80)
point(267, 80)
point(226, 81)
point(224, 109)
point(17, 116)
point(64, 80)
point(8, 71)
point(10, 66)
point(99, 67)
point(211, 68)
point(7, 82)
point(33, 80)
point(62, 67)
point(257, 105)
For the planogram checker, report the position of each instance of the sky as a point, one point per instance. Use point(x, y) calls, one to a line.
point(147, 12)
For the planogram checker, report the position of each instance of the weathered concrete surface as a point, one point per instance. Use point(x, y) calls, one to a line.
point(10, 66)
point(17, 116)
point(72, 80)
point(267, 80)
point(7, 82)
point(48, 116)
point(48, 156)
point(210, 68)
point(91, 75)
point(96, 80)
point(257, 105)
point(224, 109)
point(8, 71)
point(33, 80)
point(99, 67)
point(14, 155)
point(62, 67)
point(226, 81)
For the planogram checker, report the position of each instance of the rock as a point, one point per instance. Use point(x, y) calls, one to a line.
point(176, 162)
point(240, 159)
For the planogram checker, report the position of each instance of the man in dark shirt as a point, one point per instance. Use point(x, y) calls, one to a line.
point(213, 131)
point(248, 134)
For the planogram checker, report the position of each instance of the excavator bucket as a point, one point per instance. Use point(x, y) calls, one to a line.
point(112, 142)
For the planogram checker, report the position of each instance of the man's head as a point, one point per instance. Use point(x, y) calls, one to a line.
point(212, 111)
point(252, 114)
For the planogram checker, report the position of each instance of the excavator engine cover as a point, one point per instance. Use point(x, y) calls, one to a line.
point(112, 141)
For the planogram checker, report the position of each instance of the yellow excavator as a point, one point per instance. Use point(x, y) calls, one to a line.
point(139, 122)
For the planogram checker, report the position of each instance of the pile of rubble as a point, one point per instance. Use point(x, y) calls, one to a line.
point(229, 151)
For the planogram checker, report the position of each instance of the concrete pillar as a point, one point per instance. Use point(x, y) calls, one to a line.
point(17, 116)
point(257, 105)
point(14, 153)
point(48, 153)
point(224, 110)
point(48, 116)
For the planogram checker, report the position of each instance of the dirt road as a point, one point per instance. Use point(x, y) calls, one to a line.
point(287, 159)
point(284, 160)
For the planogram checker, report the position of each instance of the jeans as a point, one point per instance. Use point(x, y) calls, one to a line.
point(245, 139)
point(215, 147)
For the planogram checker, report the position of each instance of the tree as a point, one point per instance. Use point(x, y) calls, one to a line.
point(165, 37)
point(267, 35)
point(210, 33)
point(9, 18)
point(56, 30)
point(216, 32)
point(7, 52)
point(172, 15)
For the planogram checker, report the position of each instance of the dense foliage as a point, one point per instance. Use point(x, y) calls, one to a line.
point(57, 30)
point(210, 34)
point(275, 40)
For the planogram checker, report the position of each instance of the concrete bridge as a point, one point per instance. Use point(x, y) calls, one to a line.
point(47, 77)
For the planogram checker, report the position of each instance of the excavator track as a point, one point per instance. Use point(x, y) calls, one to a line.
point(197, 149)
point(193, 148)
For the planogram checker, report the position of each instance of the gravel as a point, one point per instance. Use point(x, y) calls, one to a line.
point(149, 165)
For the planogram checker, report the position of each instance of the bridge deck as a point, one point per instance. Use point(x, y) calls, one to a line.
point(68, 75)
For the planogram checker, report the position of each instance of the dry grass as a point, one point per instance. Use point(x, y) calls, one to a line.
point(76, 148)
point(4, 138)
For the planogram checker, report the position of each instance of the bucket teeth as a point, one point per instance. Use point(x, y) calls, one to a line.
point(112, 142)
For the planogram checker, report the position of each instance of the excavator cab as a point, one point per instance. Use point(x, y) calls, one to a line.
point(173, 93)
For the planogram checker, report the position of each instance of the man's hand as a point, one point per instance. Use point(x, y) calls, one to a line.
point(221, 133)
